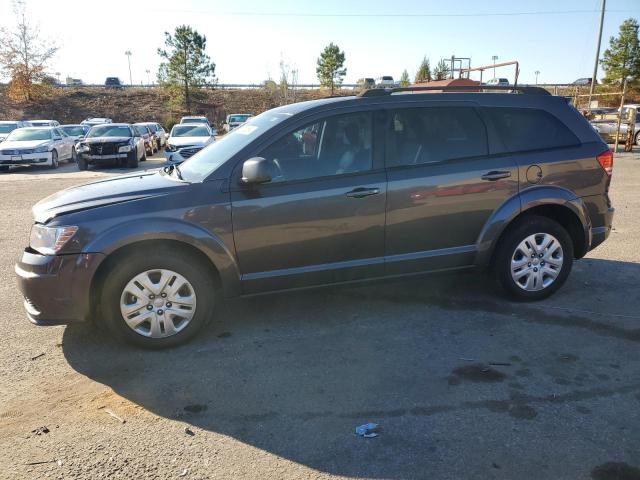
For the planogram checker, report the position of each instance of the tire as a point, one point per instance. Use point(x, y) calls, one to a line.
point(82, 163)
point(637, 142)
point(4, 168)
point(197, 290)
point(74, 155)
point(132, 160)
point(54, 160)
point(529, 276)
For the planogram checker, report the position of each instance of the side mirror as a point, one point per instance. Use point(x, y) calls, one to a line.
point(256, 170)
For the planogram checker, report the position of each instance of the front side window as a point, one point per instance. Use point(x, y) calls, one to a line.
point(434, 134)
point(333, 146)
point(527, 129)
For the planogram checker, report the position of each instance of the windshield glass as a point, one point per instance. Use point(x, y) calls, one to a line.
point(73, 131)
point(190, 131)
point(109, 131)
point(238, 118)
point(207, 160)
point(25, 134)
point(8, 127)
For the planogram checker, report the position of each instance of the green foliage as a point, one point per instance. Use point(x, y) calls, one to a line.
point(330, 69)
point(404, 79)
point(622, 58)
point(424, 71)
point(186, 67)
point(441, 72)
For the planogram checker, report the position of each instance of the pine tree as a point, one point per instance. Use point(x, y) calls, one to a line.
point(622, 58)
point(441, 71)
point(424, 72)
point(330, 69)
point(404, 79)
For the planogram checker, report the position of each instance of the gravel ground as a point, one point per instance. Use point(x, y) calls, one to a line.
point(464, 383)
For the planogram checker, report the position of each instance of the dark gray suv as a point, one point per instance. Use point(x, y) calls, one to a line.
point(386, 184)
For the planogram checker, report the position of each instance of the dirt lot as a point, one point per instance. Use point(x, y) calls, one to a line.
point(464, 383)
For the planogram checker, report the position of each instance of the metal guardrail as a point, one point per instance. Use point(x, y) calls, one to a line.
point(219, 86)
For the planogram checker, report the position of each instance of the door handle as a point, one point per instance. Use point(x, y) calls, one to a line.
point(494, 175)
point(363, 192)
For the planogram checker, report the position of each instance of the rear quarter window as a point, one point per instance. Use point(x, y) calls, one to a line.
point(527, 129)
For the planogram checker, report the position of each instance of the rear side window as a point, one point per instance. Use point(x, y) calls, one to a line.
point(526, 129)
point(434, 134)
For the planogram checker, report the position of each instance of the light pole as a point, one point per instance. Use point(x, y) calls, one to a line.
point(128, 54)
point(595, 63)
point(537, 72)
point(494, 58)
point(148, 81)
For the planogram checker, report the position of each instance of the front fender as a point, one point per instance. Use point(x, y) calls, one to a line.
point(518, 204)
point(206, 242)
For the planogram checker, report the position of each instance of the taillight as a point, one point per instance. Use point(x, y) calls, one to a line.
point(605, 159)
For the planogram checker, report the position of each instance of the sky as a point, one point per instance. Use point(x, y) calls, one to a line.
point(248, 39)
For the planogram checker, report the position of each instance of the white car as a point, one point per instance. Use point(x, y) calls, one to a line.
point(385, 82)
point(498, 82)
point(77, 132)
point(8, 126)
point(194, 120)
point(185, 140)
point(36, 146)
point(235, 120)
point(44, 123)
point(158, 133)
point(96, 121)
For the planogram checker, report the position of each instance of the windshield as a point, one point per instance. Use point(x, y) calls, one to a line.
point(238, 118)
point(8, 127)
point(25, 134)
point(74, 131)
point(190, 131)
point(109, 131)
point(207, 160)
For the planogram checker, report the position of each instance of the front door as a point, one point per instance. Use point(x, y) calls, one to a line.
point(321, 218)
point(443, 187)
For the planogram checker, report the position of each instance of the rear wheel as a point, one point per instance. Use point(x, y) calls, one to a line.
point(534, 258)
point(637, 142)
point(157, 299)
point(54, 160)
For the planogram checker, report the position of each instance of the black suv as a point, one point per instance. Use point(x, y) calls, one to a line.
point(113, 82)
point(386, 184)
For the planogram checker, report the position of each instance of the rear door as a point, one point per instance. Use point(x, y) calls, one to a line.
point(443, 187)
point(321, 218)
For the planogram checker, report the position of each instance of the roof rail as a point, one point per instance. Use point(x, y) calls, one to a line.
point(527, 90)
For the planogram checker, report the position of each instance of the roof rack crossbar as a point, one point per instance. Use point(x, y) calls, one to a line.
point(527, 90)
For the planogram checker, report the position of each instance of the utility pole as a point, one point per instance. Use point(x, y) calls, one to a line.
point(128, 54)
point(595, 63)
point(494, 58)
point(537, 72)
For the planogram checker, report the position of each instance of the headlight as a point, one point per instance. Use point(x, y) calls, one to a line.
point(124, 149)
point(49, 240)
point(42, 149)
point(171, 148)
point(83, 148)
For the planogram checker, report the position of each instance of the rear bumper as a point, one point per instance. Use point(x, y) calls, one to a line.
point(601, 233)
point(56, 288)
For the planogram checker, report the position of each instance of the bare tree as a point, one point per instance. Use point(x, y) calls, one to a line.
point(24, 55)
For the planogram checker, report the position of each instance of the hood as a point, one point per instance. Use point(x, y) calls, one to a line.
point(180, 141)
point(23, 143)
point(106, 140)
point(3, 136)
point(123, 188)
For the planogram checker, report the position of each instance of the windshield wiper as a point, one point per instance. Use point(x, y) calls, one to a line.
point(171, 168)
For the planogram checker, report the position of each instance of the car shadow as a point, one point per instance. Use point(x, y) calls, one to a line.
point(294, 373)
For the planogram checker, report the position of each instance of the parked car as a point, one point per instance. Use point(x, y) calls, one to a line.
point(149, 140)
point(500, 82)
point(8, 126)
point(118, 143)
point(365, 84)
point(185, 140)
point(234, 120)
point(75, 131)
point(158, 132)
point(33, 146)
point(385, 82)
point(607, 128)
point(582, 81)
point(113, 82)
point(96, 121)
point(195, 120)
point(44, 123)
point(422, 188)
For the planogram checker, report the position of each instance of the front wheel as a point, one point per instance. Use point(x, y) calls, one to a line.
point(74, 155)
point(534, 258)
point(132, 159)
point(54, 160)
point(157, 299)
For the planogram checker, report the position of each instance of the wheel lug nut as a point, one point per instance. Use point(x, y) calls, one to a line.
point(149, 307)
point(160, 312)
point(529, 264)
point(163, 295)
point(168, 304)
point(540, 255)
point(535, 269)
point(152, 296)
